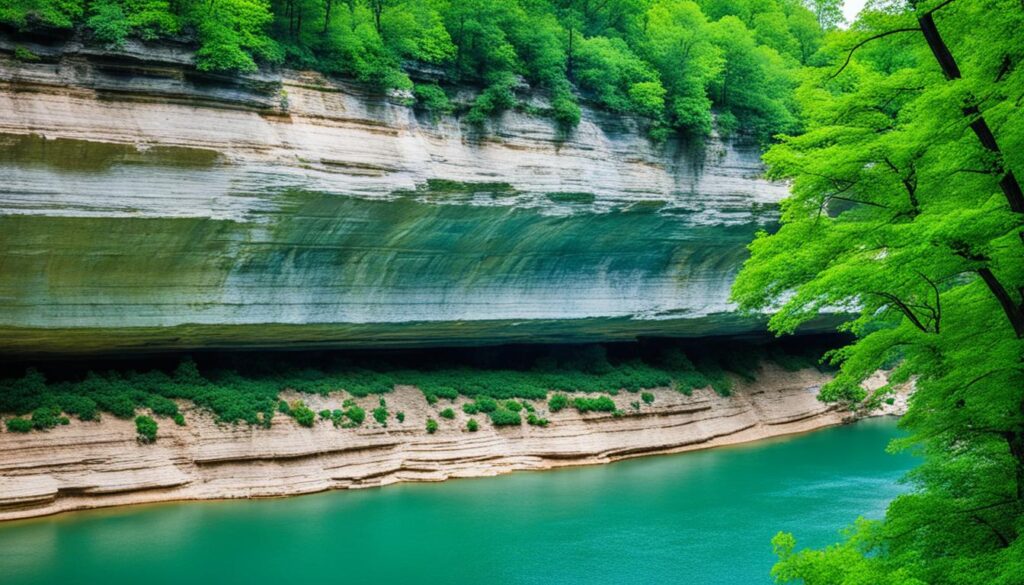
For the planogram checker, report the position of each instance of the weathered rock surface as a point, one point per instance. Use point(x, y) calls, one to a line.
point(90, 465)
point(146, 206)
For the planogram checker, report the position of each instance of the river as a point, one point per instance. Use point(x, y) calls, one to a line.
point(693, 518)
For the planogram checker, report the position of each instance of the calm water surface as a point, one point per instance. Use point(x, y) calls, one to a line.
point(703, 517)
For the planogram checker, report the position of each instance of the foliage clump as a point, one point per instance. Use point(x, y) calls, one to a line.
point(678, 65)
point(502, 417)
point(146, 429)
point(906, 213)
point(599, 404)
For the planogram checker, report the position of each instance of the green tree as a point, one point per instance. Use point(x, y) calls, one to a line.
point(232, 34)
point(678, 44)
point(26, 14)
point(905, 213)
point(113, 21)
point(828, 12)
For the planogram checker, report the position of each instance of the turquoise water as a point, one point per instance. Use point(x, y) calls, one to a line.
point(704, 517)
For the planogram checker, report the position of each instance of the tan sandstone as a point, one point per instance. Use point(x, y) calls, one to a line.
point(93, 465)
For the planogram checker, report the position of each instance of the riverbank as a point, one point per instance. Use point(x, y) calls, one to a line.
point(87, 465)
point(705, 517)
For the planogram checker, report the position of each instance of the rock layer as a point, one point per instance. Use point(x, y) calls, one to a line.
point(144, 205)
point(91, 465)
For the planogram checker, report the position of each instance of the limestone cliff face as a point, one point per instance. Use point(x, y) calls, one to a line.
point(90, 465)
point(143, 205)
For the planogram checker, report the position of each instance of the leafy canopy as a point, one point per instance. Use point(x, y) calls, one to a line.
point(905, 213)
point(676, 63)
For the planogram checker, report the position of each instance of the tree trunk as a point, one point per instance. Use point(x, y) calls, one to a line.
point(1013, 312)
point(1008, 182)
point(328, 4)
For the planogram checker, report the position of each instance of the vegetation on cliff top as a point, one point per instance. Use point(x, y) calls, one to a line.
point(667, 60)
point(907, 209)
point(250, 393)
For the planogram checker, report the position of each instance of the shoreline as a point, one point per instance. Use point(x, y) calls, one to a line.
point(100, 465)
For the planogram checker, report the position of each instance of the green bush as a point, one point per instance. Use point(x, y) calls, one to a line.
point(503, 417)
point(431, 426)
point(635, 404)
point(513, 405)
point(431, 97)
point(486, 404)
point(447, 413)
point(355, 414)
point(558, 402)
point(470, 408)
point(400, 416)
point(599, 404)
point(472, 426)
point(25, 55)
point(647, 397)
point(19, 425)
point(380, 414)
point(146, 427)
point(179, 419)
point(302, 414)
point(534, 420)
point(47, 417)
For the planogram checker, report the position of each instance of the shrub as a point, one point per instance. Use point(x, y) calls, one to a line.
point(161, 405)
point(146, 427)
point(558, 402)
point(599, 404)
point(400, 416)
point(19, 425)
point(302, 414)
point(448, 413)
point(513, 405)
point(25, 55)
point(472, 426)
point(532, 419)
point(431, 97)
point(179, 419)
point(431, 426)
point(47, 417)
point(470, 408)
point(486, 404)
point(647, 397)
point(325, 414)
point(380, 414)
point(355, 414)
point(503, 417)
point(82, 406)
point(635, 404)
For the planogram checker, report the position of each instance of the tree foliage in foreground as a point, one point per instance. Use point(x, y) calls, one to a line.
point(905, 211)
point(670, 61)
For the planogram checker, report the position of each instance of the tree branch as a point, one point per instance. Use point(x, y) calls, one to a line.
point(849, 55)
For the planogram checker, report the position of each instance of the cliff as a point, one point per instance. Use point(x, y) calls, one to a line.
point(144, 205)
point(97, 464)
